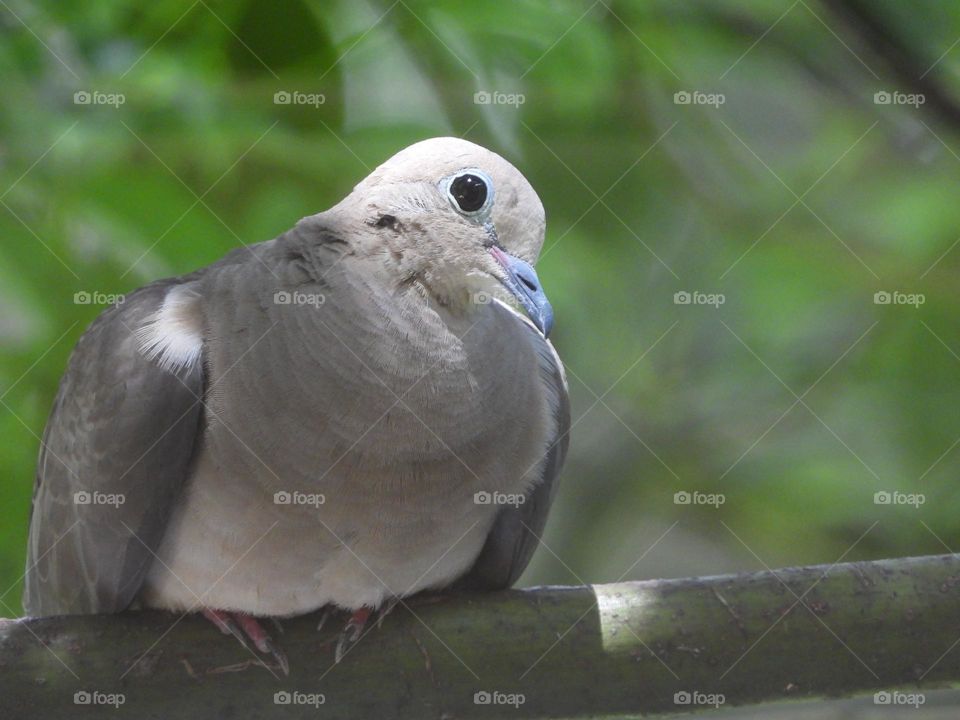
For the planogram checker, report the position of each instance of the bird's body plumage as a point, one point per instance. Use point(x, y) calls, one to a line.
point(308, 421)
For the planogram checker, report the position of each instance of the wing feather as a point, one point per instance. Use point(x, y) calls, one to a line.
point(517, 529)
point(113, 459)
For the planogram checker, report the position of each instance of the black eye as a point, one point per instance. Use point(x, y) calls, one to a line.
point(469, 191)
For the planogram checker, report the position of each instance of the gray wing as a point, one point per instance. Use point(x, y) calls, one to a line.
point(121, 427)
point(517, 530)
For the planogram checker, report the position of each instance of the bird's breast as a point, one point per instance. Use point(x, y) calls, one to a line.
point(361, 465)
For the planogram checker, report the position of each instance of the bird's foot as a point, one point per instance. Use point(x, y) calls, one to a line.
point(386, 609)
point(328, 610)
point(351, 632)
point(246, 628)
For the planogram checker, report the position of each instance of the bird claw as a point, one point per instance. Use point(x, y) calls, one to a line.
point(353, 630)
point(277, 654)
point(226, 624)
point(351, 633)
point(324, 616)
point(387, 608)
point(246, 629)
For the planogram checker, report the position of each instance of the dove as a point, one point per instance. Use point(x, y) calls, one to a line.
point(361, 409)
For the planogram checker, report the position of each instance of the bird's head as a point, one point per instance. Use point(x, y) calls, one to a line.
point(459, 220)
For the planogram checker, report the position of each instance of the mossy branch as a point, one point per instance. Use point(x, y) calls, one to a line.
point(572, 652)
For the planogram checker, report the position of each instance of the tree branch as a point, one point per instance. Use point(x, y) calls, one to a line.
point(625, 648)
point(909, 65)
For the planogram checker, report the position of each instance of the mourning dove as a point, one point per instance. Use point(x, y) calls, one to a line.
point(360, 409)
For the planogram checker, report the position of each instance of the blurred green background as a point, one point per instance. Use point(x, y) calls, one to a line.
point(815, 165)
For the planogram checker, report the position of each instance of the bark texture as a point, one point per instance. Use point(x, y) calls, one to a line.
point(623, 649)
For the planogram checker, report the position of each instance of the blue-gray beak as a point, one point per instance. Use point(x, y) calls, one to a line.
point(523, 282)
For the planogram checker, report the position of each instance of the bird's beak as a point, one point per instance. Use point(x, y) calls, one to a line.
point(523, 283)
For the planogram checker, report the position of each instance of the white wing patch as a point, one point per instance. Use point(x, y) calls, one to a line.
point(173, 335)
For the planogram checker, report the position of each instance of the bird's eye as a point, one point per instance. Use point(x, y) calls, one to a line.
point(469, 191)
